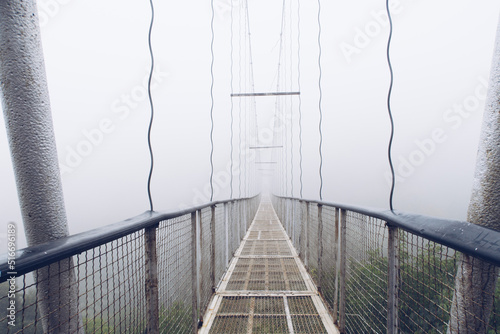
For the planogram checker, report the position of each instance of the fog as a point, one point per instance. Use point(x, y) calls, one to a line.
point(97, 62)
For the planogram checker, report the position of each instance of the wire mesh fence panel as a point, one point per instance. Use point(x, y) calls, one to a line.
point(206, 257)
point(366, 274)
point(234, 230)
point(328, 260)
point(302, 249)
point(312, 242)
point(113, 298)
point(297, 225)
point(100, 290)
point(174, 252)
point(430, 288)
point(220, 243)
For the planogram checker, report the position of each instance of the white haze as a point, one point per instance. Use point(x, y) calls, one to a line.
point(96, 55)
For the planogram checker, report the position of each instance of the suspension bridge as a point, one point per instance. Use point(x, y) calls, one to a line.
point(255, 263)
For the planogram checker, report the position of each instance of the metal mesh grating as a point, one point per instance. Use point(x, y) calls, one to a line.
point(266, 274)
point(267, 315)
point(306, 324)
point(266, 235)
point(267, 247)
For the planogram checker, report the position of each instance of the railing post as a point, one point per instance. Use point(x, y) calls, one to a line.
point(337, 268)
point(194, 270)
point(342, 266)
point(226, 229)
point(306, 253)
point(320, 245)
point(151, 264)
point(238, 214)
point(212, 248)
point(393, 280)
point(293, 223)
point(245, 217)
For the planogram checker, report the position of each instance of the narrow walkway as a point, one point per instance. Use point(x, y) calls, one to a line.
point(266, 288)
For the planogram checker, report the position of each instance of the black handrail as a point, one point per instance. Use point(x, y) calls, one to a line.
point(35, 257)
point(468, 238)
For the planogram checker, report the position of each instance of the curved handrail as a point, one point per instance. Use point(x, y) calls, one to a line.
point(468, 238)
point(35, 257)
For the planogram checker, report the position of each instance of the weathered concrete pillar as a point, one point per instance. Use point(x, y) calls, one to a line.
point(26, 108)
point(475, 281)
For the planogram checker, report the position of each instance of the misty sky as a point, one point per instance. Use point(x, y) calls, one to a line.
point(97, 62)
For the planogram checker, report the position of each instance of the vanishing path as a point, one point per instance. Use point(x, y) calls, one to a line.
point(266, 288)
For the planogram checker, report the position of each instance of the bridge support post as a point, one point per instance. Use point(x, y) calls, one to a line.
point(151, 264)
point(30, 132)
point(342, 265)
point(393, 281)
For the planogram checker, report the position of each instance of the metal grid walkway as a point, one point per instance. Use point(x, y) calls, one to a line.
point(266, 288)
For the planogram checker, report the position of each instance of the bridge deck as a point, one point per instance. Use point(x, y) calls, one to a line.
point(266, 288)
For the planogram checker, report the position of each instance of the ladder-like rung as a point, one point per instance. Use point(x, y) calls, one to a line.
point(264, 94)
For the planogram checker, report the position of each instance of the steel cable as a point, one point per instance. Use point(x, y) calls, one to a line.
point(389, 95)
point(150, 198)
point(212, 103)
point(319, 105)
point(232, 104)
point(300, 97)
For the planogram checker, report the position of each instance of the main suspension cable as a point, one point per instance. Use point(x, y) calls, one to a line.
point(151, 105)
point(389, 95)
point(320, 110)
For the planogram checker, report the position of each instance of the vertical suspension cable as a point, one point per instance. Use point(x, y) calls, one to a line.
point(278, 100)
point(319, 104)
point(212, 103)
point(300, 96)
point(284, 99)
point(151, 105)
point(291, 98)
point(239, 101)
point(245, 157)
point(252, 85)
point(232, 104)
point(389, 95)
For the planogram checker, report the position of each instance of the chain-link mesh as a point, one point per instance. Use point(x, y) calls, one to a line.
point(366, 274)
point(428, 281)
point(174, 244)
point(438, 289)
point(328, 259)
point(109, 282)
point(103, 289)
point(206, 283)
point(221, 260)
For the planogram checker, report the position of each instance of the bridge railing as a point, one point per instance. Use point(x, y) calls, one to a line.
point(384, 272)
point(153, 273)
